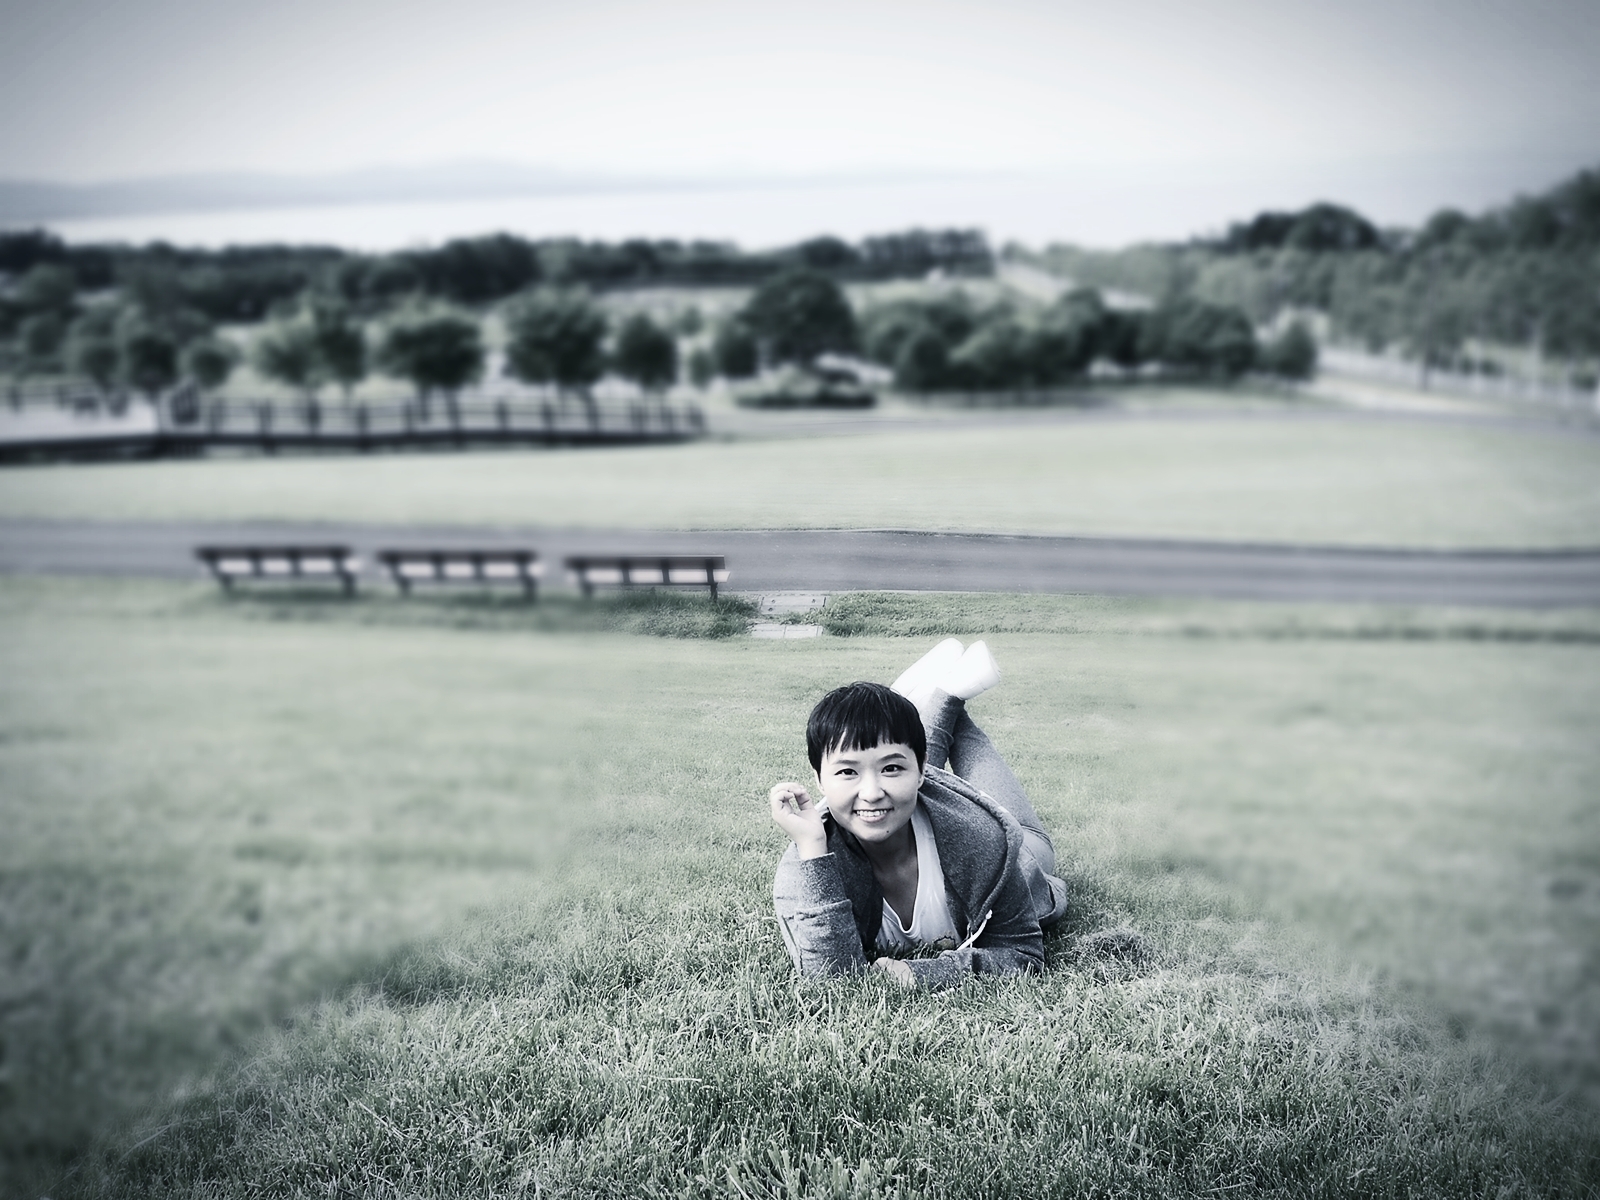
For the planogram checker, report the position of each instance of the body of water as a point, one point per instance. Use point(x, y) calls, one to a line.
point(1104, 207)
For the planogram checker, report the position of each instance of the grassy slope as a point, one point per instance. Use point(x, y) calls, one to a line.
point(1321, 480)
point(212, 817)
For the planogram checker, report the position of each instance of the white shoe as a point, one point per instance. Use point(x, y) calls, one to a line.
point(974, 673)
point(928, 668)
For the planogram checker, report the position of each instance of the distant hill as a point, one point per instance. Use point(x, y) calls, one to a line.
point(29, 201)
point(1520, 274)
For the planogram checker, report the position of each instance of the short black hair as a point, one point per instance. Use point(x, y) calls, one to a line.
point(860, 716)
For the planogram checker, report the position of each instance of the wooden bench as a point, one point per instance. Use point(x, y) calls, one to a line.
point(464, 566)
point(648, 570)
point(283, 564)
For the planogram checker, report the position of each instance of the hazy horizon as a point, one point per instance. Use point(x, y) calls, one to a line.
point(1060, 121)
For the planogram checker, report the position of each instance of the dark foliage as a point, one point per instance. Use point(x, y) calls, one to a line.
point(555, 337)
point(243, 283)
point(735, 352)
point(149, 359)
point(435, 351)
point(947, 344)
point(1320, 229)
point(1521, 274)
point(799, 315)
point(1208, 339)
point(208, 363)
point(646, 353)
point(1292, 354)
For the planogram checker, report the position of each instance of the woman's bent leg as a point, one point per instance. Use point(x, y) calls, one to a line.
point(954, 737)
point(974, 757)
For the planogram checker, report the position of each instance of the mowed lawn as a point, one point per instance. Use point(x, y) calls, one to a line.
point(1307, 477)
point(528, 872)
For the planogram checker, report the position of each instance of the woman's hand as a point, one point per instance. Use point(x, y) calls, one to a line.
point(796, 813)
point(896, 970)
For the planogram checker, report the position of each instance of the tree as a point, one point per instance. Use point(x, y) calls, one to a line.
point(95, 356)
point(39, 337)
point(689, 322)
point(555, 337)
point(827, 254)
point(341, 347)
point(646, 353)
point(48, 290)
point(1119, 337)
point(1069, 336)
point(1208, 338)
point(1292, 354)
point(288, 353)
point(701, 366)
point(735, 351)
point(149, 358)
point(209, 362)
point(886, 328)
point(923, 363)
point(1001, 354)
point(799, 315)
point(92, 348)
point(436, 351)
point(1322, 228)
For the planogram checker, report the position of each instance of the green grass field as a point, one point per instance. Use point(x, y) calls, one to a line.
point(1248, 477)
point(444, 899)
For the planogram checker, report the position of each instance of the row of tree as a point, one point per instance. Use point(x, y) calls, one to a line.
point(949, 343)
point(244, 283)
point(1523, 274)
point(148, 340)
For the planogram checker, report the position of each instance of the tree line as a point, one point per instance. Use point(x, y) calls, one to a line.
point(146, 338)
point(1521, 275)
point(244, 283)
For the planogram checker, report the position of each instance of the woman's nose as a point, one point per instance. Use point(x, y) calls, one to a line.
point(870, 788)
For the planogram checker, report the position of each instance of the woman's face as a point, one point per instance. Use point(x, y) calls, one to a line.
point(872, 793)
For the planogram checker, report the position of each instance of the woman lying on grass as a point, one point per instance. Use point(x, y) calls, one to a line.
point(900, 855)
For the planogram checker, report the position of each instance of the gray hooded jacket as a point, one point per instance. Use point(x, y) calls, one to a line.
point(830, 908)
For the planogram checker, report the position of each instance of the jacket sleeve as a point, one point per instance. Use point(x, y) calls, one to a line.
point(814, 915)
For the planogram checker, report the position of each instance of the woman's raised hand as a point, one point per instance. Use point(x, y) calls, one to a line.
point(797, 814)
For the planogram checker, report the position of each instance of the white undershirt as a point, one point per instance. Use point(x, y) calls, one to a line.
point(931, 923)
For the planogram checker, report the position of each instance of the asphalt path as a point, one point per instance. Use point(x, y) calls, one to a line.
point(855, 560)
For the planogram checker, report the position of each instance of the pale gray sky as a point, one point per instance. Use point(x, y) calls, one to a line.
point(1395, 104)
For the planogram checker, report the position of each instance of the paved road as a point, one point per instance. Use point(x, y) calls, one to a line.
point(832, 560)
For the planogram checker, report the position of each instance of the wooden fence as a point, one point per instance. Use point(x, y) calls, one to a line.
point(186, 423)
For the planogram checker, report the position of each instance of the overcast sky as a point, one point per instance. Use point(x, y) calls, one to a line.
point(1398, 105)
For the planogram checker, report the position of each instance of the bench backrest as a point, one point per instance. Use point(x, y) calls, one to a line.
point(649, 568)
point(274, 562)
point(462, 564)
